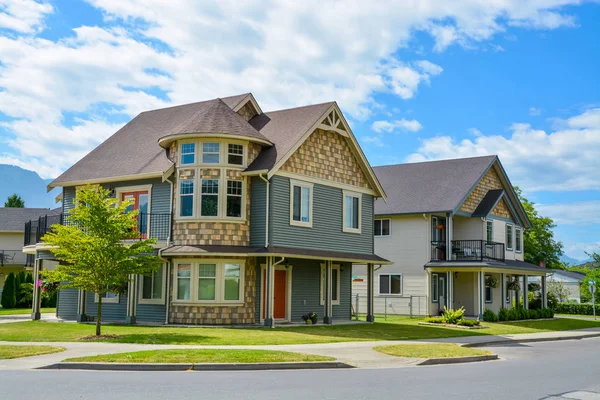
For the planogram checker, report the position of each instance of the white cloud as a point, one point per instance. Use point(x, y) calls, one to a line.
point(561, 160)
point(576, 213)
point(402, 124)
point(374, 140)
point(535, 112)
point(286, 53)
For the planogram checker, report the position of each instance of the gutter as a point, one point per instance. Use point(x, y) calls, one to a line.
point(261, 176)
point(164, 248)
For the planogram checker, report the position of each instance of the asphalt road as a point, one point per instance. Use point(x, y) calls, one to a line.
point(553, 370)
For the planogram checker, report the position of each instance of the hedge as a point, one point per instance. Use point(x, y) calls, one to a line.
point(573, 308)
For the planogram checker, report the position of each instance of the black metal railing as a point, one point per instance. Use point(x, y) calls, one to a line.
point(467, 250)
point(15, 257)
point(150, 226)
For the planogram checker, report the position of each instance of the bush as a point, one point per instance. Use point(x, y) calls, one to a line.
point(503, 314)
point(453, 316)
point(490, 316)
point(435, 320)
point(534, 314)
point(9, 298)
point(568, 308)
point(546, 313)
point(27, 294)
point(468, 322)
point(29, 278)
point(513, 314)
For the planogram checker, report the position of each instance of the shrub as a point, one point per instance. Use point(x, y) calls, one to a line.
point(568, 308)
point(490, 316)
point(18, 282)
point(29, 278)
point(534, 314)
point(503, 314)
point(435, 320)
point(513, 314)
point(9, 298)
point(453, 316)
point(27, 294)
point(468, 322)
point(546, 313)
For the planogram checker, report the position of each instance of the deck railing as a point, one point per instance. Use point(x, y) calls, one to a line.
point(15, 257)
point(467, 250)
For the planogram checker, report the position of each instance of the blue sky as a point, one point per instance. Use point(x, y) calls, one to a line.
point(417, 79)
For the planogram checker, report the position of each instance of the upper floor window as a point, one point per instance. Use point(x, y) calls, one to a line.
point(489, 231)
point(235, 154)
point(234, 199)
point(382, 227)
point(211, 153)
point(209, 203)
point(186, 198)
point(301, 203)
point(188, 153)
point(352, 212)
point(390, 284)
point(509, 237)
point(518, 239)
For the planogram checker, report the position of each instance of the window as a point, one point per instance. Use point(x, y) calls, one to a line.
point(210, 153)
point(210, 281)
point(352, 212)
point(234, 199)
point(184, 275)
point(186, 198)
point(207, 282)
point(335, 284)
point(382, 227)
point(188, 153)
point(301, 203)
point(488, 291)
point(518, 239)
point(209, 203)
point(434, 288)
point(490, 231)
point(390, 284)
point(509, 237)
point(152, 287)
point(108, 297)
point(506, 289)
point(235, 154)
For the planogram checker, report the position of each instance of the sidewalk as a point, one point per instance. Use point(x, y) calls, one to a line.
point(359, 354)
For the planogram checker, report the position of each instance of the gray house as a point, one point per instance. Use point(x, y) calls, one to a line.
point(259, 217)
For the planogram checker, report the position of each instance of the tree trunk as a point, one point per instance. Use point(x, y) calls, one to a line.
point(99, 317)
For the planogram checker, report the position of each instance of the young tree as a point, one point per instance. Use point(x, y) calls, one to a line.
point(592, 273)
point(540, 245)
point(558, 290)
point(9, 299)
point(90, 249)
point(14, 201)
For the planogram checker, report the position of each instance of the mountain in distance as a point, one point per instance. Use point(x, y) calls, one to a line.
point(27, 184)
point(573, 261)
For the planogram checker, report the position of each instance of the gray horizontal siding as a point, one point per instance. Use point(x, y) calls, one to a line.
point(110, 311)
point(258, 204)
point(326, 232)
point(150, 312)
point(66, 305)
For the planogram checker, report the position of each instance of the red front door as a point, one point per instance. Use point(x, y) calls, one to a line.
point(280, 294)
point(140, 202)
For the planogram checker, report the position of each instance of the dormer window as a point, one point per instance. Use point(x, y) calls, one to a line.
point(188, 153)
point(211, 153)
point(235, 154)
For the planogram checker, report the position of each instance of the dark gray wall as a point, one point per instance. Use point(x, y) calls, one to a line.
point(326, 232)
point(258, 204)
point(151, 312)
point(66, 305)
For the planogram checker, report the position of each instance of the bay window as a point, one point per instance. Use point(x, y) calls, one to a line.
point(188, 153)
point(235, 154)
point(186, 198)
point(211, 153)
point(234, 199)
point(210, 281)
point(301, 203)
point(209, 202)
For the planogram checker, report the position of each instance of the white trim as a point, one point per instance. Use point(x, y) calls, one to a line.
point(389, 274)
point(346, 193)
point(194, 180)
point(518, 240)
point(489, 222)
point(245, 100)
point(321, 181)
point(219, 196)
point(180, 151)
point(219, 153)
point(509, 246)
point(322, 285)
point(161, 300)
point(485, 287)
point(112, 300)
point(288, 298)
point(301, 184)
point(219, 281)
point(389, 227)
point(111, 179)
point(166, 141)
point(435, 289)
point(138, 188)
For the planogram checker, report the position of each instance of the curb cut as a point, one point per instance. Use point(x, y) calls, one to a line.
point(196, 367)
point(458, 360)
point(532, 340)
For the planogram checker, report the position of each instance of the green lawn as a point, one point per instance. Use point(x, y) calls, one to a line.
point(396, 328)
point(15, 311)
point(203, 356)
point(7, 351)
point(444, 350)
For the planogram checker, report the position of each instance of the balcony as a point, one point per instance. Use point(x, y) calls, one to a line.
point(15, 258)
point(150, 226)
point(468, 250)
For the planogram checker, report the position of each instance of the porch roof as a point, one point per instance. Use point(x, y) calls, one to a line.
point(274, 251)
point(508, 265)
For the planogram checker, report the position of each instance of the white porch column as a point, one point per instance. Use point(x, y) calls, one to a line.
point(544, 292)
point(370, 313)
point(503, 290)
point(37, 298)
point(269, 277)
point(81, 296)
point(449, 236)
point(450, 290)
point(327, 319)
point(481, 293)
point(131, 299)
point(525, 292)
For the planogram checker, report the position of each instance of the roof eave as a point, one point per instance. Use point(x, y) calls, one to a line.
point(166, 141)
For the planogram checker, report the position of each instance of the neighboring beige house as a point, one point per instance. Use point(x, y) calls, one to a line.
point(451, 227)
point(12, 236)
point(571, 282)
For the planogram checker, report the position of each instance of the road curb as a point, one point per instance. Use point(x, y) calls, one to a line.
point(531, 340)
point(458, 360)
point(196, 367)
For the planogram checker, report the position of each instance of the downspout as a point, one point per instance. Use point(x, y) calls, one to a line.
point(168, 291)
point(267, 215)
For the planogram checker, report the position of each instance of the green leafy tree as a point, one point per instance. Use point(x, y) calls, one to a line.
point(14, 201)
point(9, 299)
point(29, 278)
point(91, 250)
point(540, 245)
point(18, 288)
point(592, 273)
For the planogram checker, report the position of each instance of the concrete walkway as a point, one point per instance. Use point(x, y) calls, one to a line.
point(7, 319)
point(359, 354)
